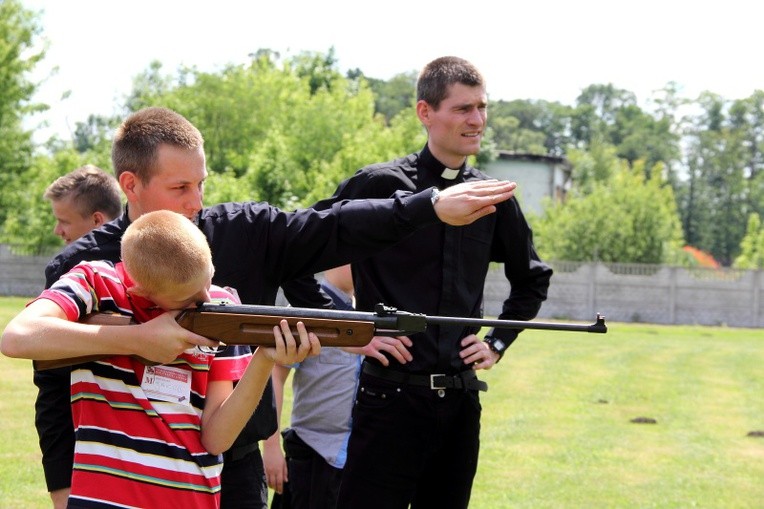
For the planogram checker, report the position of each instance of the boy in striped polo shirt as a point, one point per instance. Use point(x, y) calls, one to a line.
point(149, 436)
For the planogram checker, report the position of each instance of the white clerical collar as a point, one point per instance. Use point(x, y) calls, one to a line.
point(449, 174)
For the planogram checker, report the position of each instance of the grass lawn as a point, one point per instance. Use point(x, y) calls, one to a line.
point(557, 421)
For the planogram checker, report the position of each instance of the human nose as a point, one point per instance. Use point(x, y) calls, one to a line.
point(478, 117)
point(58, 230)
point(203, 296)
point(195, 202)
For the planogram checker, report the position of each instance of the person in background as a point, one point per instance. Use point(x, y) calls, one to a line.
point(149, 435)
point(307, 473)
point(81, 200)
point(159, 160)
point(416, 426)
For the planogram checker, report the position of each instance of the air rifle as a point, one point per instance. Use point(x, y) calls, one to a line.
point(253, 325)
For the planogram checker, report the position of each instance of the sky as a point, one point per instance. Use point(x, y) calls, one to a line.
point(534, 49)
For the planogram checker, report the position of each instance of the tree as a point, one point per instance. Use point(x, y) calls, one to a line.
point(536, 127)
point(95, 133)
point(746, 117)
point(627, 218)
point(639, 136)
point(593, 167)
point(273, 127)
point(18, 56)
point(395, 95)
point(319, 69)
point(752, 246)
point(715, 200)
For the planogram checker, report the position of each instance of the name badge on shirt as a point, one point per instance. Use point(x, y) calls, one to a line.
point(166, 383)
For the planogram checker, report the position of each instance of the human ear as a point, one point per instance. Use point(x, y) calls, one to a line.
point(139, 291)
point(98, 218)
point(423, 112)
point(128, 181)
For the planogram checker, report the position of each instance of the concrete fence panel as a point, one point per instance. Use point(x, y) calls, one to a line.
point(22, 276)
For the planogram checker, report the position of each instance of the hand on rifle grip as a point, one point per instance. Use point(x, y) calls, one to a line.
point(289, 350)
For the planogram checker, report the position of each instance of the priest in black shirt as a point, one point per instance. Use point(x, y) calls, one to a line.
point(415, 434)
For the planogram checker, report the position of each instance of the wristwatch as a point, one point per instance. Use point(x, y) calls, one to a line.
point(434, 195)
point(496, 345)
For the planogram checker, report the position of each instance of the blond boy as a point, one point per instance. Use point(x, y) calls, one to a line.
point(148, 436)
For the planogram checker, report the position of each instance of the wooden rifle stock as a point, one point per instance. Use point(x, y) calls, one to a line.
point(253, 325)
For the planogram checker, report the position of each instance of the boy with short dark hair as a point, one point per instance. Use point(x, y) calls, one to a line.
point(81, 200)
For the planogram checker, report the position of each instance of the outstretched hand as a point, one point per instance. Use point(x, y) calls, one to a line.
point(466, 202)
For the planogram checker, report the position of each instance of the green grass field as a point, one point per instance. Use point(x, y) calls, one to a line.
point(557, 430)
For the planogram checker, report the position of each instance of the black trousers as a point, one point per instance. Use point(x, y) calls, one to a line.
point(243, 483)
point(411, 445)
point(53, 420)
point(313, 483)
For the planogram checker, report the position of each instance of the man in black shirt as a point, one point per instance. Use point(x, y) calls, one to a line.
point(159, 160)
point(415, 432)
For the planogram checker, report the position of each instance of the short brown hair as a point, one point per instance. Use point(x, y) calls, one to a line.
point(136, 143)
point(162, 249)
point(438, 75)
point(91, 190)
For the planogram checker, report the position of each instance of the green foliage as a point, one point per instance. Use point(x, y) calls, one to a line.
point(95, 134)
point(594, 166)
point(320, 70)
point(752, 246)
point(376, 142)
point(639, 136)
point(716, 198)
point(28, 228)
point(223, 187)
point(18, 57)
point(151, 85)
point(395, 95)
point(626, 218)
point(536, 127)
point(285, 131)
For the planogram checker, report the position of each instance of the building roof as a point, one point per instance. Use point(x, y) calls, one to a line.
point(525, 156)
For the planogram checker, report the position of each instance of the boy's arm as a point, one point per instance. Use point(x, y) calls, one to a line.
point(42, 331)
point(227, 409)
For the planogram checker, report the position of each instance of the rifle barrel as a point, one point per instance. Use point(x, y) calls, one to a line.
point(597, 327)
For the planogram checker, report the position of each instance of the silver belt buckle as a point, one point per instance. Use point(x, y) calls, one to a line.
point(432, 381)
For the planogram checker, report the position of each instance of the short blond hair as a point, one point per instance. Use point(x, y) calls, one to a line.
point(163, 249)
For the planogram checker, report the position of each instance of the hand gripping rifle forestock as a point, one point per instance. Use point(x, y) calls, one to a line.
point(253, 325)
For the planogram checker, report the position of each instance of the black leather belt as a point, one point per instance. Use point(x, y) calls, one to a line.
point(466, 380)
point(239, 452)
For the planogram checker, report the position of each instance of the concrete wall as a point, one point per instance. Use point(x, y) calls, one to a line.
point(22, 276)
point(645, 293)
point(621, 292)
